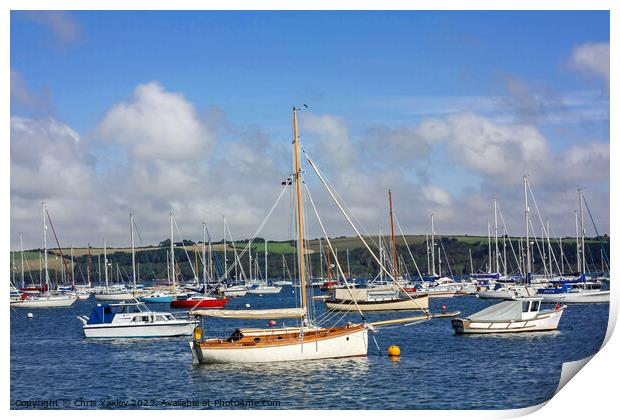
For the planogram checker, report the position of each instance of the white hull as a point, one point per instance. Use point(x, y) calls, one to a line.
point(235, 293)
point(586, 297)
point(545, 321)
point(266, 290)
point(404, 304)
point(107, 297)
point(345, 345)
point(283, 283)
point(54, 302)
point(170, 329)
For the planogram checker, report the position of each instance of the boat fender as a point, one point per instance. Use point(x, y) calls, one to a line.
point(197, 334)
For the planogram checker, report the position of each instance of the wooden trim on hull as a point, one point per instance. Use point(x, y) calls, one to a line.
point(405, 304)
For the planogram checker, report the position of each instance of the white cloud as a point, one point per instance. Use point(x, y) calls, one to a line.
point(333, 137)
point(156, 124)
point(592, 59)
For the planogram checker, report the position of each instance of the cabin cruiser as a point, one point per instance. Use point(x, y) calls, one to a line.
point(262, 289)
point(521, 315)
point(574, 292)
point(132, 320)
point(114, 293)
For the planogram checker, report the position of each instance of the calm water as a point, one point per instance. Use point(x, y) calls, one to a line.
point(50, 359)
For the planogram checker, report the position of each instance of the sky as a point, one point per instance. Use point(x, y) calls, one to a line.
point(150, 112)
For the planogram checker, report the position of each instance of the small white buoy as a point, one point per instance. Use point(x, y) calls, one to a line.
point(247, 305)
point(29, 315)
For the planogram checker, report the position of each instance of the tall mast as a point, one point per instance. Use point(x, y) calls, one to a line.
point(527, 232)
point(225, 260)
point(133, 252)
point(47, 278)
point(105, 264)
point(381, 257)
point(428, 256)
point(496, 237)
point(88, 263)
point(349, 266)
point(72, 269)
point(21, 247)
point(439, 260)
point(168, 266)
point(471, 263)
point(578, 252)
point(321, 258)
point(549, 249)
point(250, 259)
point(561, 258)
point(300, 227)
point(393, 238)
point(204, 255)
point(505, 257)
point(582, 231)
point(432, 273)
point(266, 261)
point(490, 269)
point(172, 269)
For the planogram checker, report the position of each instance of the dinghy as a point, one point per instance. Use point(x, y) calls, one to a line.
point(523, 315)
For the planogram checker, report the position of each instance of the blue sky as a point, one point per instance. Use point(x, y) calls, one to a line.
point(389, 69)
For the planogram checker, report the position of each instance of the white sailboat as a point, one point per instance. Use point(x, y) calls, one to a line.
point(306, 341)
point(45, 299)
point(111, 293)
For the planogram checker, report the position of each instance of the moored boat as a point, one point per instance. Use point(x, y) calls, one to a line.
point(132, 320)
point(522, 315)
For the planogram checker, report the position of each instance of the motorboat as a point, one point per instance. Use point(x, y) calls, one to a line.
point(263, 289)
point(157, 296)
point(132, 320)
point(521, 315)
point(234, 291)
point(508, 292)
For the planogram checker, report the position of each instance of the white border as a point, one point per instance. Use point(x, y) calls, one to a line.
point(591, 394)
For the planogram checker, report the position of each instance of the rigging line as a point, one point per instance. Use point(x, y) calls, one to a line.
point(237, 258)
point(189, 260)
point(529, 187)
point(535, 238)
point(595, 229)
point(446, 257)
point(329, 243)
point(262, 225)
point(514, 253)
point(62, 258)
point(344, 213)
point(407, 245)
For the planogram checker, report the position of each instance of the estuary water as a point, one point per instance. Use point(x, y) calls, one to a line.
point(54, 366)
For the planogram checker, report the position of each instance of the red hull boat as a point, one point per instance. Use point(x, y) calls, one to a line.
point(199, 302)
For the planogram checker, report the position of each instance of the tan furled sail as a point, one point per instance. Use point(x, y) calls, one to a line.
point(279, 313)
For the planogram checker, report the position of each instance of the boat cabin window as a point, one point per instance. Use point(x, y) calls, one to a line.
point(144, 318)
point(525, 306)
point(534, 307)
point(160, 318)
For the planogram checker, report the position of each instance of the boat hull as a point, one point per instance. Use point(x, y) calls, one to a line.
point(547, 321)
point(63, 302)
point(590, 297)
point(203, 303)
point(404, 304)
point(270, 290)
point(156, 299)
point(348, 342)
point(108, 297)
point(171, 329)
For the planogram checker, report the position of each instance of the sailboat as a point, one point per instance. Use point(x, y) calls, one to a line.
point(111, 293)
point(258, 287)
point(306, 341)
point(194, 299)
point(46, 299)
point(383, 297)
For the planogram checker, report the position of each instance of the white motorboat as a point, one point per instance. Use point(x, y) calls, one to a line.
point(132, 320)
point(282, 283)
point(522, 315)
point(114, 294)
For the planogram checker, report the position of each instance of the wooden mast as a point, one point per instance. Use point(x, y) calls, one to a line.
point(393, 238)
point(300, 237)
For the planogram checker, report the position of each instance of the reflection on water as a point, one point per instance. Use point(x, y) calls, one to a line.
point(51, 359)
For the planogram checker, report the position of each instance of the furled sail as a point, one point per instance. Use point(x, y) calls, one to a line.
point(252, 313)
